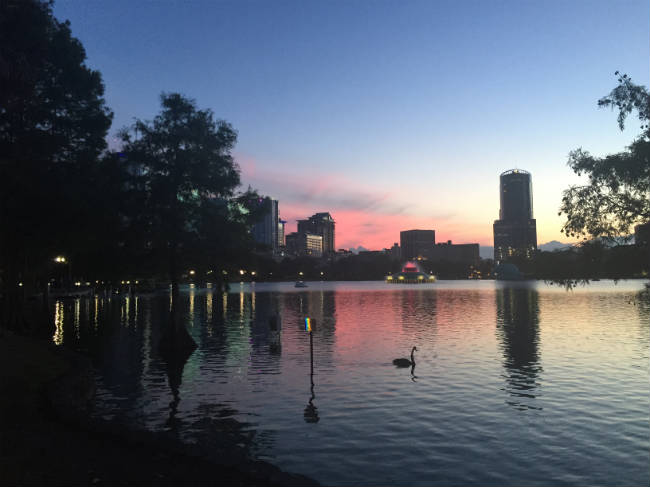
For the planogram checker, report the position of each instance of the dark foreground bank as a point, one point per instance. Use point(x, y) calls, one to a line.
point(47, 438)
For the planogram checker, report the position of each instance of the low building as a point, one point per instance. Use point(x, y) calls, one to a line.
point(456, 253)
point(395, 252)
point(304, 244)
point(642, 234)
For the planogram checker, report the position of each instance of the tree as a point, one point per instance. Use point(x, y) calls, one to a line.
point(617, 195)
point(181, 162)
point(53, 124)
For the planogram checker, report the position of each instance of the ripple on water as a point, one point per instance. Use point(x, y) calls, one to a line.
point(514, 385)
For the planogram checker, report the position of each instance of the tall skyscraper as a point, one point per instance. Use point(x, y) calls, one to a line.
point(320, 224)
point(281, 224)
point(265, 231)
point(515, 232)
point(416, 243)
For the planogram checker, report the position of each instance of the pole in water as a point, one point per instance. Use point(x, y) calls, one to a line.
point(311, 412)
point(311, 356)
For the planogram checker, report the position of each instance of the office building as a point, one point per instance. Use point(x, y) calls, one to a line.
point(320, 224)
point(281, 224)
point(457, 253)
point(515, 232)
point(416, 243)
point(304, 244)
point(265, 231)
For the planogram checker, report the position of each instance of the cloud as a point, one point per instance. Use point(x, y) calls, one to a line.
point(368, 216)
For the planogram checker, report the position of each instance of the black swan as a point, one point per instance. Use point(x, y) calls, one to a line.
point(404, 362)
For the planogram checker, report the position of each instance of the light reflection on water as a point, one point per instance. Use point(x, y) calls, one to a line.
point(513, 384)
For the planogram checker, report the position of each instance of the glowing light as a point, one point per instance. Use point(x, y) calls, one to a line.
point(20, 284)
point(390, 278)
point(308, 325)
point(192, 272)
point(253, 273)
point(420, 278)
point(60, 259)
point(77, 284)
point(300, 273)
point(242, 272)
point(401, 278)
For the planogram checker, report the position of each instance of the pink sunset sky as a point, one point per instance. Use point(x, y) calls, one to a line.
point(373, 214)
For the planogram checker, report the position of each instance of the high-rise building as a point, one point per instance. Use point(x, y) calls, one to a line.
point(265, 231)
point(515, 232)
point(320, 224)
point(416, 243)
point(281, 224)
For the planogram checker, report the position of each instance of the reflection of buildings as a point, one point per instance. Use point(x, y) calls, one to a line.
point(515, 232)
point(518, 333)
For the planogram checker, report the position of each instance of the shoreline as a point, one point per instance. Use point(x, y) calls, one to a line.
point(49, 438)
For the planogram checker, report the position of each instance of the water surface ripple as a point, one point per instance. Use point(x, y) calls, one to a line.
point(520, 384)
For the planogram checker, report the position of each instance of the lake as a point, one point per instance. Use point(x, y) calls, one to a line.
point(514, 384)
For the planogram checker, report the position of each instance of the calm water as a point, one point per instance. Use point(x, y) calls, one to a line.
point(519, 384)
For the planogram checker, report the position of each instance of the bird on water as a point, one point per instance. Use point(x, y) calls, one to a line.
point(404, 362)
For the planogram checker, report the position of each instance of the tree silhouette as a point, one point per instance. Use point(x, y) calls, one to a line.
point(53, 124)
point(182, 166)
point(617, 195)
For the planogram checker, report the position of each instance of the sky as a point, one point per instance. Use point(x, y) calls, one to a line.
point(389, 115)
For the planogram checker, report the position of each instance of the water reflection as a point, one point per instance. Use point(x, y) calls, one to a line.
point(518, 334)
point(249, 378)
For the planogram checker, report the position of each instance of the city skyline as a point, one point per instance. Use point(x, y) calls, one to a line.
point(389, 118)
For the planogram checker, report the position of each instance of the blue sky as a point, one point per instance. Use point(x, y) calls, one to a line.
point(390, 115)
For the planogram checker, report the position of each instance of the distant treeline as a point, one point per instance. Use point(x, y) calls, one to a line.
point(591, 260)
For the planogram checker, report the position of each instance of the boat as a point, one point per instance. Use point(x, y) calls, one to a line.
point(300, 284)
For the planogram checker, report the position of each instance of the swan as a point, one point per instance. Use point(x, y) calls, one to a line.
point(404, 362)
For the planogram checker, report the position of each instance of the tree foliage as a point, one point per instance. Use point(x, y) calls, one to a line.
point(53, 124)
point(181, 165)
point(617, 195)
